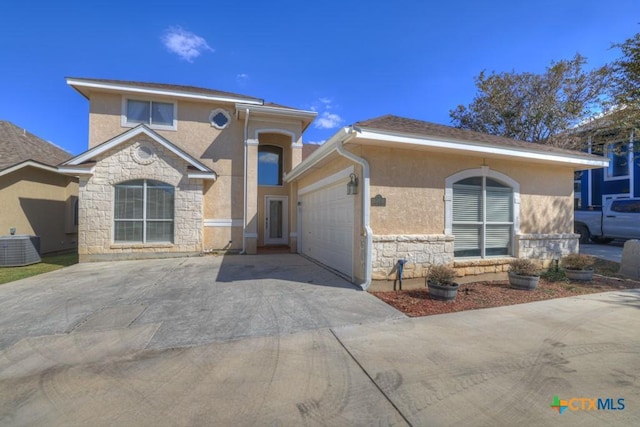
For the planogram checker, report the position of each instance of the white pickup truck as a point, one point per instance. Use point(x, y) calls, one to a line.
point(619, 219)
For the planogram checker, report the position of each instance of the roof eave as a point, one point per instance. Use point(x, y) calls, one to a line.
point(79, 84)
point(577, 161)
point(25, 164)
point(277, 111)
point(99, 149)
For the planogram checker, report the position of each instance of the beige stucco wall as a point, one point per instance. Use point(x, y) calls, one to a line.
point(97, 203)
point(39, 202)
point(413, 183)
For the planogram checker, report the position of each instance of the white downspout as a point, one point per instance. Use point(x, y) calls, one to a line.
point(244, 211)
point(368, 234)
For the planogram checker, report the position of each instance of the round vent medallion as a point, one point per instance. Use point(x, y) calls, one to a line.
point(219, 118)
point(143, 154)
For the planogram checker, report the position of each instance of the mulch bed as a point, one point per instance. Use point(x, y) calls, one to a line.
point(472, 296)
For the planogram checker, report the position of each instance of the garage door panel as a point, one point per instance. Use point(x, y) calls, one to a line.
point(327, 227)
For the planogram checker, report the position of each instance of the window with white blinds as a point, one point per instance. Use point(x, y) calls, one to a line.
point(143, 212)
point(482, 213)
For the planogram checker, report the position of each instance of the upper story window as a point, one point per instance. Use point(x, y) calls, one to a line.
point(143, 212)
point(618, 155)
point(269, 165)
point(219, 118)
point(157, 115)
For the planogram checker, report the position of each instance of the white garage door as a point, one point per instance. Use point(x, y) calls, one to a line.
point(326, 222)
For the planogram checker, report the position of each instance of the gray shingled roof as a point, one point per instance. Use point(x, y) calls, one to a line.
point(391, 123)
point(18, 145)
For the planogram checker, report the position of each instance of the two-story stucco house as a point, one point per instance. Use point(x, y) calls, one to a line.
point(178, 170)
point(174, 170)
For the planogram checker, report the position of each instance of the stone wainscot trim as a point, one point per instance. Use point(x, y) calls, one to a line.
point(423, 251)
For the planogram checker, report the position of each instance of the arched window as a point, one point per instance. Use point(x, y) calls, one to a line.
point(482, 213)
point(143, 212)
point(269, 165)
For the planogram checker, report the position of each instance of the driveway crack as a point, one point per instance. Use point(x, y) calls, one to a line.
point(371, 379)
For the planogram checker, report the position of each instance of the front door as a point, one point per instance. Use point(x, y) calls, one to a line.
point(275, 220)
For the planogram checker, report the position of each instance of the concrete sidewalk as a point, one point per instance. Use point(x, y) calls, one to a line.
point(493, 367)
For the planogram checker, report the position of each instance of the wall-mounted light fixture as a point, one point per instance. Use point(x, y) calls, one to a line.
point(352, 185)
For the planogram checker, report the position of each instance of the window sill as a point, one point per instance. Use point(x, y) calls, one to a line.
point(154, 127)
point(141, 245)
point(616, 178)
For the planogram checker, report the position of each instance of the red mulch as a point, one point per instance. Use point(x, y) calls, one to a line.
point(471, 296)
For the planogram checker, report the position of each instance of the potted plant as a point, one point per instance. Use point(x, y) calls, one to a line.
point(578, 267)
point(523, 274)
point(440, 281)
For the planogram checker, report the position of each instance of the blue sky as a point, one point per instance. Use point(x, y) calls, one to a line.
point(348, 60)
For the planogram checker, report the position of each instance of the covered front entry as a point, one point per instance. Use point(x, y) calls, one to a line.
point(326, 225)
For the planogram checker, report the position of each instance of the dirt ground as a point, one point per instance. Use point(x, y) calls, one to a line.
point(472, 296)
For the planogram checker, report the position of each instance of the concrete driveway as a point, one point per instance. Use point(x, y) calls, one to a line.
point(610, 252)
point(120, 353)
point(191, 300)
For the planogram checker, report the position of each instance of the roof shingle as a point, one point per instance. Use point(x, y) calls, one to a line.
point(17, 145)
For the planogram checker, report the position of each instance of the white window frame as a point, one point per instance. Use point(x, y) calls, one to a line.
point(144, 217)
point(124, 120)
point(215, 113)
point(483, 172)
point(608, 177)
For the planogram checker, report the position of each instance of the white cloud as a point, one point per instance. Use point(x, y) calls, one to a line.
point(242, 78)
point(185, 44)
point(328, 120)
point(315, 142)
point(268, 158)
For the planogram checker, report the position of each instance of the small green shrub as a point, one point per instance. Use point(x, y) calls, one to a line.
point(441, 275)
point(523, 267)
point(577, 262)
point(553, 275)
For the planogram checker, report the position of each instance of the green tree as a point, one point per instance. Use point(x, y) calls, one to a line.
point(536, 107)
point(626, 74)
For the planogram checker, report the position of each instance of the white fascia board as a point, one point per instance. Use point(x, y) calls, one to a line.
point(159, 92)
point(210, 175)
point(325, 149)
point(286, 112)
point(328, 180)
point(28, 163)
point(481, 148)
point(75, 171)
point(141, 129)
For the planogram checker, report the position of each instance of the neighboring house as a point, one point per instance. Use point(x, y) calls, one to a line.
point(174, 170)
point(621, 179)
point(35, 199)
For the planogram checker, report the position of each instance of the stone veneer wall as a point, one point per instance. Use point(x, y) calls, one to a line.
point(96, 194)
point(422, 251)
point(546, 247)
